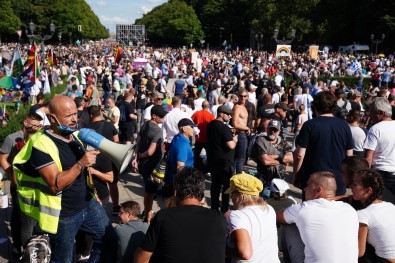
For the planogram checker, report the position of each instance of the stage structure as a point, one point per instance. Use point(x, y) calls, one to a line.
point(130, 35)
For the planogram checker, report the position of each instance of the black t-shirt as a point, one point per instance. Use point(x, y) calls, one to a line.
point(265, 110)
point(218, 152)
point(141, 99)
point(103, 163)
point(77, 196)
point(189, 233)
point(130, 107)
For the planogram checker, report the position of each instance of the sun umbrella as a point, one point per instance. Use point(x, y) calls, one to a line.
point(7, 82)
point(373, 65)
point(381, 55)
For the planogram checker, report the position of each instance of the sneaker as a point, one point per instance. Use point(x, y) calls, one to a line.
point(116, 210)
point(82, 258)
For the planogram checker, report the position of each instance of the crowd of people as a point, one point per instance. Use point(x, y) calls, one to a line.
point(225, 109)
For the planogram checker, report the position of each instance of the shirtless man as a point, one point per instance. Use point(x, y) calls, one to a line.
point(240, 116)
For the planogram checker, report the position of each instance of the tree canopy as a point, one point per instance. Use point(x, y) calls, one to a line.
point(173, 23)
point(66, 15)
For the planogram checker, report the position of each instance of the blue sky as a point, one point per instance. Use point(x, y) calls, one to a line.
point(112, 12)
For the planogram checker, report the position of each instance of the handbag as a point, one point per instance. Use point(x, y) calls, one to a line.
point(158, 174)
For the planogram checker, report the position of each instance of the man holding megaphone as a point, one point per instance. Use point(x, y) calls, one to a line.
point(54, 187)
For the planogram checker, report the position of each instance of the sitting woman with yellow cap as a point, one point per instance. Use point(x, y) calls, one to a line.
point(252, 226)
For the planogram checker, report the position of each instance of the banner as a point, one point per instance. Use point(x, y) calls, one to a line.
point(283, 51)
point(313, 52)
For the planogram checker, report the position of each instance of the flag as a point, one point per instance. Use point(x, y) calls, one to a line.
point(27, 78)
point(50, 58)
point(31, 56)
point(16, 63)
point(355, 66)
point(119, 54)
point(37, 65)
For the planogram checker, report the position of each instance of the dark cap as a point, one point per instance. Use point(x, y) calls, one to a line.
point(339, 91)
point(158, 110)
point(281, 105)
point(224, 109)
point(274, 124)
point(186, 122)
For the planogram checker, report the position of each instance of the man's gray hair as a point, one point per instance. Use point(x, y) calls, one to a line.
point(381, 104)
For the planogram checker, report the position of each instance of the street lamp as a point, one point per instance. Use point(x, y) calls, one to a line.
point(377, 41)
point(33, 36)
point(284, 41)
point(258, 40)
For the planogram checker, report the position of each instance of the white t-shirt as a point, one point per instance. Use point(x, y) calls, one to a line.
point(261, 227)
point(170, 122)
point(198, 103)
point(306, 100)
point(381, 140)
point(115, 112)
point(329, 230)
point(276, 97)
point(379, 218)
point(147, 113)
point(359, 136)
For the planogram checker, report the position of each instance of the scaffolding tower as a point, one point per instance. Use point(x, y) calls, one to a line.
point(130, 35)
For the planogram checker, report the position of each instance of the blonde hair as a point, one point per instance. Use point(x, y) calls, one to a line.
point(247, 200)
point(302, 107)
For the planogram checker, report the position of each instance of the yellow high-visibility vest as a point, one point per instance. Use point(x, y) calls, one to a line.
point(36, 198)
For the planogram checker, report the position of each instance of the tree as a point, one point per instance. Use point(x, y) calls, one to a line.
point(66, 15)
point(172, 23)
point(9, 22)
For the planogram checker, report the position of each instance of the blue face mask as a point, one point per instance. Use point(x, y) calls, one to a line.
point(64, 129)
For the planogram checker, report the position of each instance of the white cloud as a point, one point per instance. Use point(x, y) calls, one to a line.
point(115, 20)
point(144, 9)
point(155, 1)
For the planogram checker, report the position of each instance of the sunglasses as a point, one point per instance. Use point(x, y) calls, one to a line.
point(159, 99)
point(243, 96)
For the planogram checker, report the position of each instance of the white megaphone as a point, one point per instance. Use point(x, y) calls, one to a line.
point(120, 154)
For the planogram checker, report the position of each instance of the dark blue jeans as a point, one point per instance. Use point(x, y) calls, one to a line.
point(240, 152)
point(106, 96)
point(92, 220)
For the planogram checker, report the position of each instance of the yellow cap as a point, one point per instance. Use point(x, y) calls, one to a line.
point(245, 184)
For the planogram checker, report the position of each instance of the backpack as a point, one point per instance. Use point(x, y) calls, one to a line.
point(342, 112)
point(38, 250)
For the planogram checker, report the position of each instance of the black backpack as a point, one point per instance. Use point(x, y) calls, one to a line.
point(342, 112)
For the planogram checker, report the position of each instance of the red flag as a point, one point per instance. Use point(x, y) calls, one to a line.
point(31, 57)
point(119, 54)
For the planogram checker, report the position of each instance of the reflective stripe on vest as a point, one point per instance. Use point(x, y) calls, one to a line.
point(36, 198)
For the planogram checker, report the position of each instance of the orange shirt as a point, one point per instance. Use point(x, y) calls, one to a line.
point(201, 119)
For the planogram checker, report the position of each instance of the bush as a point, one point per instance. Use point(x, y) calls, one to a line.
point(15, 119)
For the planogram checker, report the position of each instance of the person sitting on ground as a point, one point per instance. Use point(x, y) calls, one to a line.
point(376, 225)
point(320, 215)
point(253, 232)
point(131, 230)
